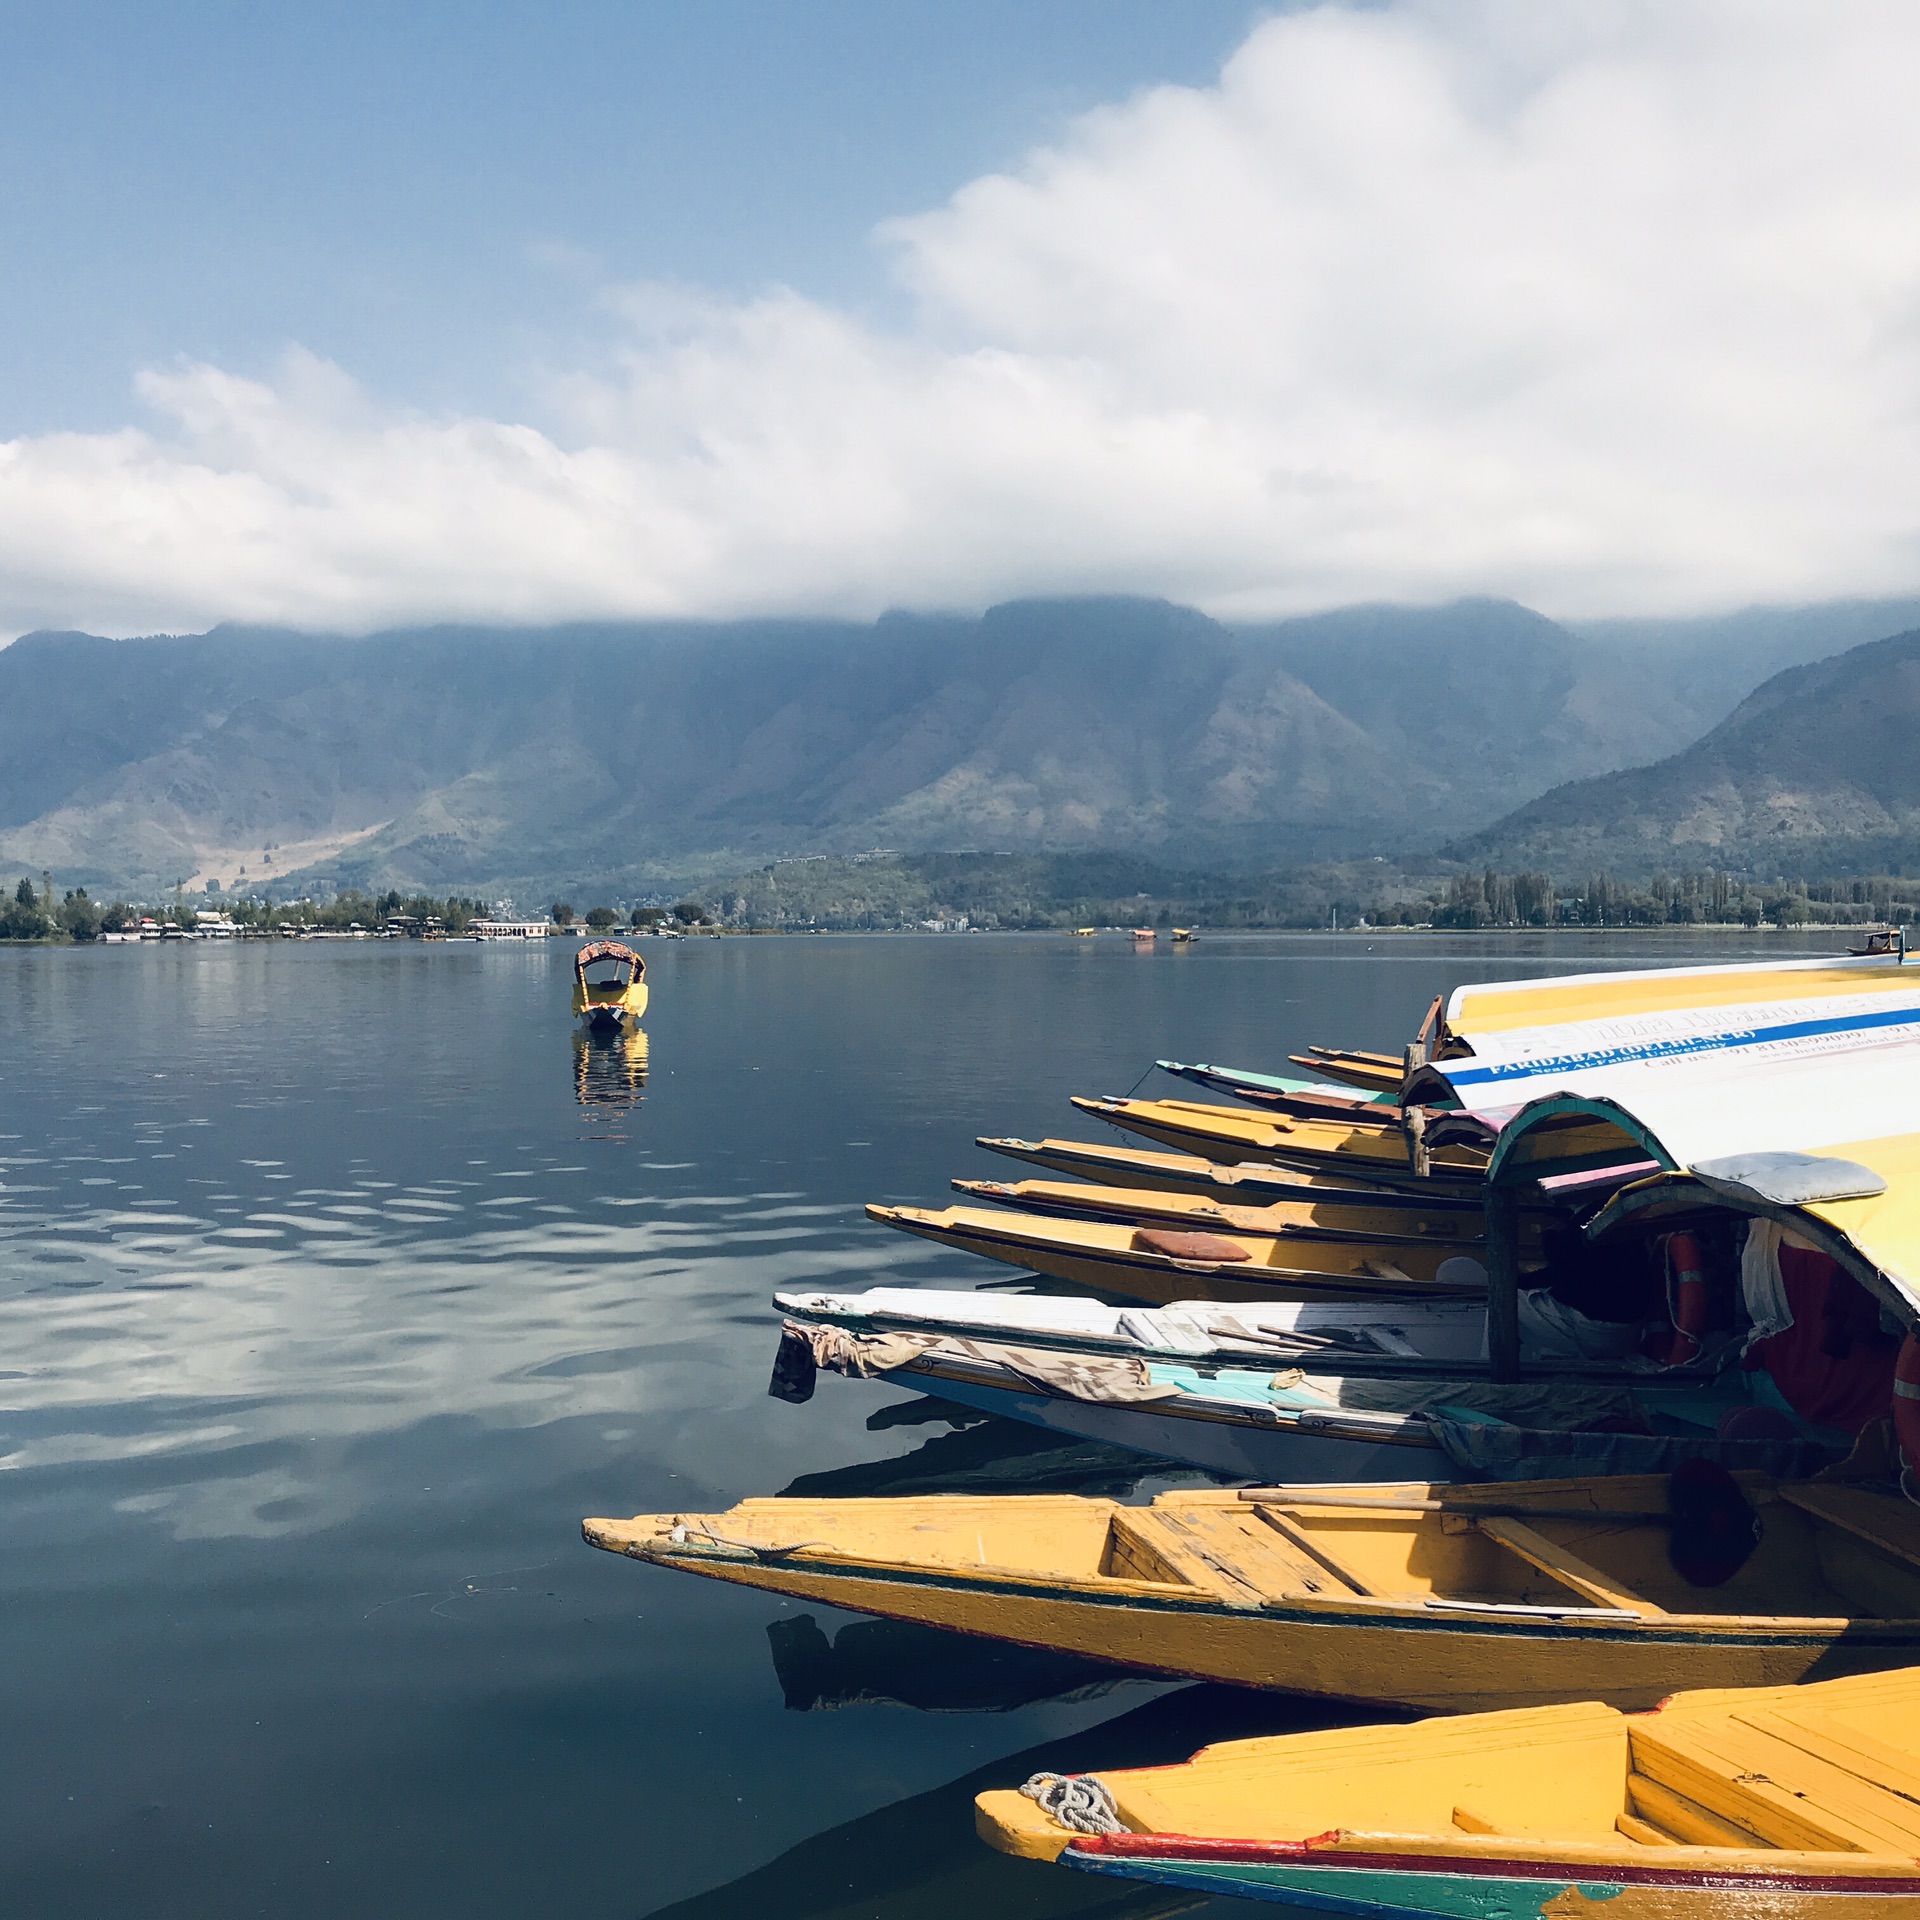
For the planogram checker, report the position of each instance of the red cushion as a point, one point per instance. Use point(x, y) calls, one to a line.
point(1187, 1246)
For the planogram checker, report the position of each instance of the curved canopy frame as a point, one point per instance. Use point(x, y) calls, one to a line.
point(606, 950)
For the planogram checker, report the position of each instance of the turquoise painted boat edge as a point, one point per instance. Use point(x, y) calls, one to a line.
point(1330, 1889)
point(1227, 1079)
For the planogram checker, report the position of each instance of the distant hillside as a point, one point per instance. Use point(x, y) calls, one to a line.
point(623, 758)
point(1816, 771)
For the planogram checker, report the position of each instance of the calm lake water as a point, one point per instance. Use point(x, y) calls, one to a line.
point(338, 1283)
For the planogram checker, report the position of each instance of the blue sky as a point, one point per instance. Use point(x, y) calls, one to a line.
point(423, 192)
point(339, 316)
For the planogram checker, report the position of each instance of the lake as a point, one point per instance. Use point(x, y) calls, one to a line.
point(339, 1282)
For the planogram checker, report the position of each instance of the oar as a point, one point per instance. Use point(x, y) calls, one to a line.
point(1296, 1502)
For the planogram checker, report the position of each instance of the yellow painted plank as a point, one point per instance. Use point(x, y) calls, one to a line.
point(1828, 1738)
point(1687, 1820)
point(1581, 1576)
point(1291, 1530)
point(1784, 1794)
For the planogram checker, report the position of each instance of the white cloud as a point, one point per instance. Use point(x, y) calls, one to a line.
point(1610, 307)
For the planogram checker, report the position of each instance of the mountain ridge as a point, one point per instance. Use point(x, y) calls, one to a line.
point(627, 756)
point(1813, 771)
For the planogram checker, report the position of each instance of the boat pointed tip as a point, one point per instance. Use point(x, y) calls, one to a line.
point(1011, 1823)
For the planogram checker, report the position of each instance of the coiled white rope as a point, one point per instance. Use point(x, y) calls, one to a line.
point(1077, 1800)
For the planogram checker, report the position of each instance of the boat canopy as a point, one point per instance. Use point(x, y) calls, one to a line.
point(612, 951)
point(1789, 1090)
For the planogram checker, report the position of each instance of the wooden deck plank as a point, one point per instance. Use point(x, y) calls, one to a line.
point(1788, 1796)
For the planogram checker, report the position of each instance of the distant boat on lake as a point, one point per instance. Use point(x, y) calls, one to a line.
point(609, 986)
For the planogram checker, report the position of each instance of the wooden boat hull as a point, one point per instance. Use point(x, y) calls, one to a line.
point(1247, 1446)
point(1789, 1800)
point(1389, 1884)
point(1374, 1072)
point(1099, 1257)
point(1385, 1883)
point(1362, 1155)
point(1441, 1664)
point(1244, 1184)
point(607, 1014)
point(1360, 1222)
point(1166, 1595)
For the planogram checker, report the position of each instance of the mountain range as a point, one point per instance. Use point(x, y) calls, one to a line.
point(1814, 772)
point(625, 758)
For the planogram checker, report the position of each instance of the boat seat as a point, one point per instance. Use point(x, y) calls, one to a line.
point(1890, 1525)
point(1591, 1583)
point(1753, 1773)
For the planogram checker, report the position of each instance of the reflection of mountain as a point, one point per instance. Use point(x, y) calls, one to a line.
point(997, 1456)
point(609, 1073)
point(920, 1860)
point(894, 1662)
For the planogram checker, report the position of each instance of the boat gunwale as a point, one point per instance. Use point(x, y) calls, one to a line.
point(822, 1561)
point(1567, 1860)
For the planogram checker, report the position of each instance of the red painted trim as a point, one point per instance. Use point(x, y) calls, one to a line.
point(1175, 1846)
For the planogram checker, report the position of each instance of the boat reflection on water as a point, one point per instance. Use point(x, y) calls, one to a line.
point(610, 1071)
point(897, 1663)
point(920, 1860)
point(976, 1453)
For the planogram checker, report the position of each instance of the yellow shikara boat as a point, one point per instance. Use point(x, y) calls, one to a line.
point(1720, 1805)
point(1224, 1262)
point(609, 986)
point(1372, 1152)
point(1354, 1219)
point(1252, 1184)
point(1376, 1072)
point(1456, 1599)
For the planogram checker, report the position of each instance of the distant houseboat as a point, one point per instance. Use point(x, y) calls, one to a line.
point(511, 929)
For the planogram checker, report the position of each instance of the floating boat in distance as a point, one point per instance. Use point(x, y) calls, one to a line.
point(1144, 936)
point(1891, 940)
point(1452, 1598)
point(1719, 1805)
point(1162, 1264)
point(1085, 933)
point(1183, 936)
point(609, 987)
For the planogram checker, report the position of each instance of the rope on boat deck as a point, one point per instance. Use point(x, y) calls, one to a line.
point(1077, 1800)
point(696, 1533)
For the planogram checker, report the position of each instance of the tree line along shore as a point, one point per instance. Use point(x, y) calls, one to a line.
point(1026, 893)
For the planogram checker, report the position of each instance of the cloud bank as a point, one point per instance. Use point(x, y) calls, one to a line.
point(1613, 308)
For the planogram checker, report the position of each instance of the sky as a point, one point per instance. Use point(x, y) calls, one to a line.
point(346, 316)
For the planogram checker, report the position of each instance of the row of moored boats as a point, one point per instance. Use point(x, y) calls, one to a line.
point(1558, 1377)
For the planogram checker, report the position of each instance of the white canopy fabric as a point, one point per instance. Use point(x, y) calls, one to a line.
point(1819, 1057)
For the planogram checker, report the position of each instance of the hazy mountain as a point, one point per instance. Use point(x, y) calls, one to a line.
point(1814, 772)
point(630, 755)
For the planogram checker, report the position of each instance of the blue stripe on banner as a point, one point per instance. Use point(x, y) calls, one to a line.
point(1680, 1048)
